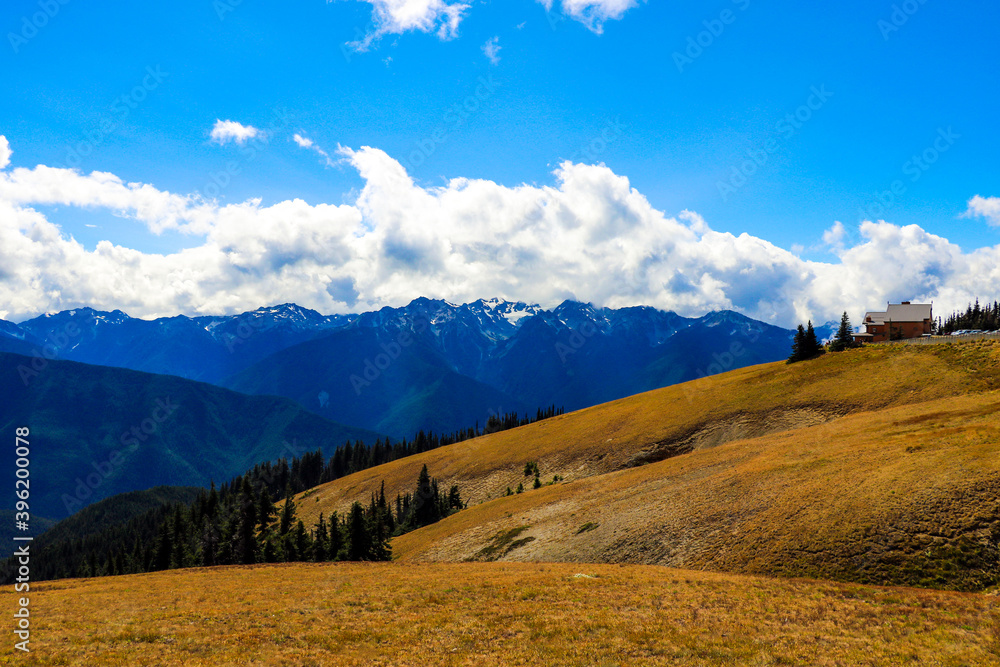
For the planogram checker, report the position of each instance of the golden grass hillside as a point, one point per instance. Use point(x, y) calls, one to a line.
point(907, 495)
point(496, 614)
point(697, 415)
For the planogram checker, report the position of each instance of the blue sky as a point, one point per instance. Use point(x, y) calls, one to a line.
point(633, 93)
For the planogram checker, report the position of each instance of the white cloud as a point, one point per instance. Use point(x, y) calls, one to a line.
point(491, 49)
point(588, 235)
point(986, 207)
point(225, 131)
point(398, 16)
point(5, 152)
point(309, 144)
point(593, 13)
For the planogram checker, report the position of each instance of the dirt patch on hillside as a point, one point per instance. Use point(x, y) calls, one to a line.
point(739, 426)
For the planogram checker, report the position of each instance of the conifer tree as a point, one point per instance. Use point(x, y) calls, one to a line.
point(303, 545)
point(336, 541)
point(845, 335)
point(798, 346)
point(266, 511)
point(359, 545)
point(245, 547)
point(320, 542)
point(287, 512)
point(812, 344)
point(164, 548)
point(425, 501)
point(270, 554)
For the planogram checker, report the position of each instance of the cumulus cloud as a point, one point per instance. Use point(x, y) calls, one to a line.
point(593, 13)
point(587, 235)
point(225, 131)
point(491, 49)
point(985, 207)
point(5, 152)
point(394, 17)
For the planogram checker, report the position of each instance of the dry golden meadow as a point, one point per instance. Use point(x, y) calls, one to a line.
point(743, 403)
point(876, 466)
point(498, 614)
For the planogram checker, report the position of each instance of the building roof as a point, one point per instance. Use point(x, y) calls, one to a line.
point(908, 312)
point(876, 318)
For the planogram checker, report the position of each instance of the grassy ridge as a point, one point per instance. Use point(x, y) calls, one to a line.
point(497, 614)
point(906, 495)
point(743, 403)
point(880, 465)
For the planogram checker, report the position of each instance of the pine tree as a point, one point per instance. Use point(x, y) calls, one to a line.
point(812, 345)
point(321, 540)
point(287, 512)
point(245, 547)
point(270, 554)
point(336, 541)
point(359, 546)
point(425, 499)
point(209, 542)
point(798, 346)
point(266, 511)
point(164, 548)
point(303, 545)
point(845, 335)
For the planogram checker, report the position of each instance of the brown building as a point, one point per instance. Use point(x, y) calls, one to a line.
point(898, 321)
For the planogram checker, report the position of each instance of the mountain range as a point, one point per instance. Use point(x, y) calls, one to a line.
point(429, 365)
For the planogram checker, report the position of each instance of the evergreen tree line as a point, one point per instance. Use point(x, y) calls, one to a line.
point(806, 345)
point(311, 469)
point(239, 523)
point(216, 528)
point(511, 420)
point(984, 317)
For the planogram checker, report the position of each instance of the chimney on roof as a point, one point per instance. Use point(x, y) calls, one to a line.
point(905, 303)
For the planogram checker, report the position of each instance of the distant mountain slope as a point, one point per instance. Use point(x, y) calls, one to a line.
point(497, 356)
point(98, 431)
point(580, 356)
point(375, 380)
